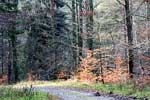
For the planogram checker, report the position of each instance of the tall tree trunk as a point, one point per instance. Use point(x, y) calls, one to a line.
point(100, 61)
point(90, 21)
point(80, 40)
point(2, 53)
point(53, 31)
point(148, 21)
point(77, 30)
point(74, 30)
point(148, 10)
point(9, 69)
point(14, 51)
point(130, 36)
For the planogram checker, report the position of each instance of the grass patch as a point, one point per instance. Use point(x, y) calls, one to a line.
point(127, 89)
point(7, 93)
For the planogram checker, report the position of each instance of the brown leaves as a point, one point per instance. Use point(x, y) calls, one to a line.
point(29, 76)
point(87, 65)
point(3, 79)
point(60, 75)
point(142, 81)
point(115, 75)
point(118, 61)
point(147, 58)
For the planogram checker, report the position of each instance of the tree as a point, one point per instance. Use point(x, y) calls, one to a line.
point(148, 15)
point(74, 35)
point(13, 39)
point(90, 23)
point(9, 64)
point(80, 41)
point(2, 52)
point(130, 35)
point(45, 40)
point(9, 11)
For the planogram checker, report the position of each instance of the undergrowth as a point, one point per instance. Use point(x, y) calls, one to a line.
point(124, 89)
point(8, 93)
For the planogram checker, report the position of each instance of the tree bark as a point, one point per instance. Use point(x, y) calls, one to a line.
point(90, 21)
point(2, 54)
point(80, 40)
point(14, 51)
point(77, 31)
point(74, 31)
point(148, 21)
point(130, 36)
point(148, 10)
point(9, 74)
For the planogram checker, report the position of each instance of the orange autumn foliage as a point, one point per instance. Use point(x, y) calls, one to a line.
point(29, 76)
point(60, 75)
point(118, 74)
point(3, 79)
point(115, 75)
point(89, 65)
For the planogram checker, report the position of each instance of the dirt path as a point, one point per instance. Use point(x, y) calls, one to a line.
point(67, 94)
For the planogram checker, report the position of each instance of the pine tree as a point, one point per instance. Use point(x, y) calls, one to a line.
point(9, 10)
point(48, 30)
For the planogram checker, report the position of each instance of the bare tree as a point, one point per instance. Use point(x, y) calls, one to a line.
point(129, 34)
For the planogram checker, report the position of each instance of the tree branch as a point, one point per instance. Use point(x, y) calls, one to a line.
point(120, 2)
point(97, 4)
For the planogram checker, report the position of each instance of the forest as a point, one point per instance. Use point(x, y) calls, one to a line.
point(92, 49)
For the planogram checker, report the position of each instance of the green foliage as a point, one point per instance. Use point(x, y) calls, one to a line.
point(24, 94)
point(125, 89)
point(8, 7)
point(22, 56)
point(47, 31)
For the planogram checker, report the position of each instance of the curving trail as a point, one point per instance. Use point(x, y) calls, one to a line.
point(67, 94)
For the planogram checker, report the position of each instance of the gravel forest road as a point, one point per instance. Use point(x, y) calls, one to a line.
point(68, 94)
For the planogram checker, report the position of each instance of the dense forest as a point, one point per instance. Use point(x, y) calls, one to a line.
point(87, 40)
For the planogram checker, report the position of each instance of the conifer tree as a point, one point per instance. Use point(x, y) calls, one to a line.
point(45, 39)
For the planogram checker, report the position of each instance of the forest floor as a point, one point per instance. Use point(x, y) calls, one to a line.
point(71, 90)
